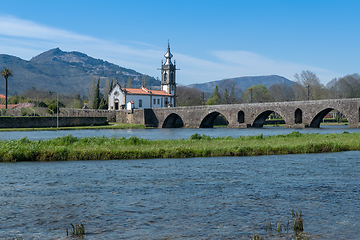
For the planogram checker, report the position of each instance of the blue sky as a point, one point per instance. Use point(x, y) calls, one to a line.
point(210, 40)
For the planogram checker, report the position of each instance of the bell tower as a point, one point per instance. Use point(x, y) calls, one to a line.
point(168, 79)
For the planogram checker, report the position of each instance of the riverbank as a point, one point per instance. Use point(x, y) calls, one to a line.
point(111, 125)
point(102, 148)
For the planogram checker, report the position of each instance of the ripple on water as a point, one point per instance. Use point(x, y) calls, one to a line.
point(214, 198)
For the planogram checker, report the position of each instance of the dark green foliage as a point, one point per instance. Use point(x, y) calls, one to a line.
point(96, 102)
point(103, 103)
point(214, 98)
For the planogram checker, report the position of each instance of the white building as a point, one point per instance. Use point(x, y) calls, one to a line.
point(127, 98)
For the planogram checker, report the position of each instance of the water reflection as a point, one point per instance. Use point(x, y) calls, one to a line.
point(172, 133)
point(204, 198)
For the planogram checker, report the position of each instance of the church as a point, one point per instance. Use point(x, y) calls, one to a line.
point(129, 98)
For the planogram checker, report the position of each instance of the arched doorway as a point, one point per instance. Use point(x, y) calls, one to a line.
point(241, 117)
point(298, 116)
point(173, 121)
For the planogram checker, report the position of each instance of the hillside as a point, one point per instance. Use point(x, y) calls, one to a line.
point(65, 72)
point(243, 82)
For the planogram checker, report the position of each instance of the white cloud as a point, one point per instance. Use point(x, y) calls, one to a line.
point(251, 64)
point(26, 39)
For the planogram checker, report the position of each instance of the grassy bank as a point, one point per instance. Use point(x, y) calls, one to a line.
point(109, 126)
point(102, 148)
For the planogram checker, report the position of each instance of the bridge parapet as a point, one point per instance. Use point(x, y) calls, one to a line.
point(297, 114)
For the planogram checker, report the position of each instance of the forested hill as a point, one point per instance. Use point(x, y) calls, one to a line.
point(243, 82)
point(65, 72)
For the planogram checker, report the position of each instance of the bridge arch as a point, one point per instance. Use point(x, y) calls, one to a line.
point(261, 118)
point(315, 122)
point(298, 116)
point(173, 121)
point(208, 120)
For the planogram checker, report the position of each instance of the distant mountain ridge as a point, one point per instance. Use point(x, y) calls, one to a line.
point(65, 72)
point(243, 82)
point(71, 72)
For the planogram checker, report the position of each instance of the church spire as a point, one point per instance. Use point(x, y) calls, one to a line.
point(168, 56)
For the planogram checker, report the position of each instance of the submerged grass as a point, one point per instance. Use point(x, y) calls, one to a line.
point(103, 148)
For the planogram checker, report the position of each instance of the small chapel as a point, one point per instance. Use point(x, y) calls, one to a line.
point(129, 98)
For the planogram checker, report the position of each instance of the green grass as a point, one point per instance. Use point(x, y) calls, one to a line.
point(102, 148)
point(111, 125)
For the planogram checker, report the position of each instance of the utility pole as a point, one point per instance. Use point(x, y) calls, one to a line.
point(251, 99)
point(308, 91)
point(57, 109)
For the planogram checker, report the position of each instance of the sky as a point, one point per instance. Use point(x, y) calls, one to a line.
point(210, 40)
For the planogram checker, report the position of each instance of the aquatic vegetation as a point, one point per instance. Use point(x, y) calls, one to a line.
point(109, 148)
point(298, 225)
point(77, 229)
point(257, 237)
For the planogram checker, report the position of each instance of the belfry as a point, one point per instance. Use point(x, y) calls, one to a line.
point(168, 75)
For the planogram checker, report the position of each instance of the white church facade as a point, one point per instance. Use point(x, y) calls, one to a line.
point(128, 98)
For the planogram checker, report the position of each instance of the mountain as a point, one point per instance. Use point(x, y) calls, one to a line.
point(243, 82)
point(65, 72)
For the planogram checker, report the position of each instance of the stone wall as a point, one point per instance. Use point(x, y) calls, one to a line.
point(63, 112)
point(39, 122)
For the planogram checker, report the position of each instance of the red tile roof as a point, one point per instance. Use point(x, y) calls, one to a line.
point(145, 91)
point(10, 106)
point(2, 96)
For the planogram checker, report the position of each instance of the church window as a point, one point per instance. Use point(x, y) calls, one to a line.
point(140, 103)
point(158, 101)
point(165, 77)
point(154, 101)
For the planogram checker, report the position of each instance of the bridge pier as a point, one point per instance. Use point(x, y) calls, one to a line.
point(295, 125)
point(239, 125)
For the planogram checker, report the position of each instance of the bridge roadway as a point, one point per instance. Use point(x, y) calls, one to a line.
point(296, 114)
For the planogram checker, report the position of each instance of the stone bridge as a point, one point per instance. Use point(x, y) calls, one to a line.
point(297, 114)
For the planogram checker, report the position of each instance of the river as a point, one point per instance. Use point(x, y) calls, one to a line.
point(200, 198)
point(171, 133)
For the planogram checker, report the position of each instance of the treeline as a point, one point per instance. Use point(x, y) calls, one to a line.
point(306, 87)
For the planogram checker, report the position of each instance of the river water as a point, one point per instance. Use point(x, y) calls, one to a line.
point(196, 198)
point(202, 198)
point(171, 133)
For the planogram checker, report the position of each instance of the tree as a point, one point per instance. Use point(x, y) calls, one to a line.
point(96, 101)
point(129, 82)
point(144, 81)
point(309, 84)
point(188, 96)
point(230, 91)
point(281, 92)
point(107, 87)
point(92, 89)
point(345, 87)
point(103, 103)
point(256, 94)
point(112, 85)
point(215, 97)
point(6, 73)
